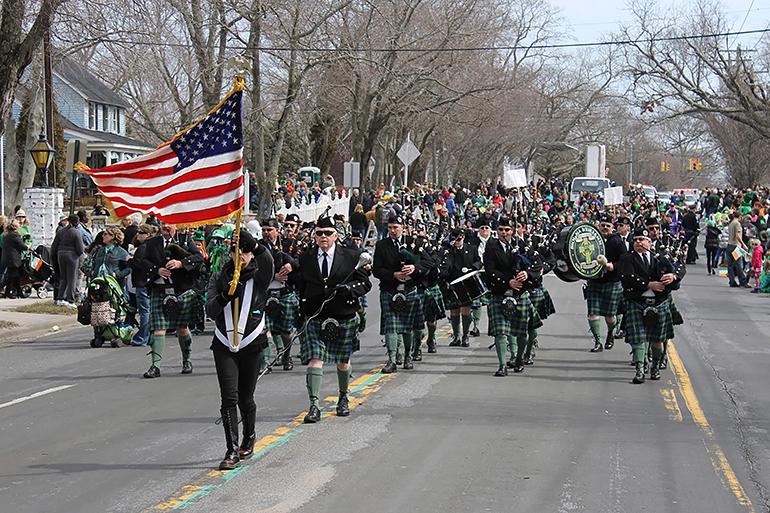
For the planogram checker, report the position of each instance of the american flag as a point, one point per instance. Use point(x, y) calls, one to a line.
point(194, 179)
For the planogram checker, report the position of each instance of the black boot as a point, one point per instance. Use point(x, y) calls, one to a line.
point(408, 365)
point(286, 359)
point(249, 435)
point(230, 423)
point(654, 372)
point(431, 344)
point(663, 362)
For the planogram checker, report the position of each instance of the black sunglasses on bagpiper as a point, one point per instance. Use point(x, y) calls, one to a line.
point(327, 233)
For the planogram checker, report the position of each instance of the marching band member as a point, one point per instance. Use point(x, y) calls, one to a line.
point(484, 235)
point(431, 299)
point(538, 294)
point(459, 259)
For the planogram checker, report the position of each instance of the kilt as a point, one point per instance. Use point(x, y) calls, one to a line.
point(432, 304)
point(676, 315)
point(638, 333)
point(184, 317)
point(603, 298)
point(483, 300)
point(526, 318)
point(285, 323)
point(311, 345)
point(542, 302)
point(452, 303)
point(363, 302)
point(401, 322)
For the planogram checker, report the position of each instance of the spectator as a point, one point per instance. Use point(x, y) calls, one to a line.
point(139, 281)
point(25, 231)
point(358, 222)
point(88, 237)
point(11, 259)
point(65, 255)
point(130, 225)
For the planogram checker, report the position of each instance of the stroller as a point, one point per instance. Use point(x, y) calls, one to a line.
point(37, 271)
point(108, 309)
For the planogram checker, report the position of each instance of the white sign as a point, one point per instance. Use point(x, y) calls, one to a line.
point(515, 178)
point(613, 196)
point(352, 175)
point(408, 153)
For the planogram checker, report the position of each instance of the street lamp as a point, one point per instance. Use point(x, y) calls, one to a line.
point(43, 154)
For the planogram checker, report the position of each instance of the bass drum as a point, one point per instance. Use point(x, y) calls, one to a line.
point(576, 250)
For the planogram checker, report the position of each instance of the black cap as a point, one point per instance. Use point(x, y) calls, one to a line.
point(504, 221)
point(456, 233)
point(271, 222)
point(246, 241)
point(641, 232)
point(651, 221)
point(325, 222)
point(623, 220)
point(292, 218)
point(606, 218)
point(396, 220)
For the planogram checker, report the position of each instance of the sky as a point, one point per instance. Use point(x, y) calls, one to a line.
point(590, 19)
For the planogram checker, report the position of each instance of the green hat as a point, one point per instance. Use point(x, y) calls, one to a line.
point(198, 235)
point(218, 233)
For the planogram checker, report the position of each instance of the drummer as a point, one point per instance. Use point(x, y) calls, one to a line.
point(604, 292)
point(484, 235)
point(460, 259)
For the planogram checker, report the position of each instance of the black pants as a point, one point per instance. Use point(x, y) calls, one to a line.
point(711, 258)
point(237, 374)
point(12, 282)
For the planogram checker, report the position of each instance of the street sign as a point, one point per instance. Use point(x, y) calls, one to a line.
point(408, 153)
point(351, 175)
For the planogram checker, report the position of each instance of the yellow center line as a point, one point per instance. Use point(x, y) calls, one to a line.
point(669, 399)
point(718, 458)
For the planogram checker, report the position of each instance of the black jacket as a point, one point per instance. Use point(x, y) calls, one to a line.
point(155, 257)
point(613, 250)
point(502, 266)
point(388, 260)
point(12, 248)
point(455, 260)
point(313, 290)
point(635, 277)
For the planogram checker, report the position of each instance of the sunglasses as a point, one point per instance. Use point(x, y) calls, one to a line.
point(324, 233)
point(504, 229)
point(142, 233)
point(640, 239)
point(654, 228)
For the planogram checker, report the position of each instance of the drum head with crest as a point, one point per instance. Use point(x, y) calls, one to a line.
point(576, 251)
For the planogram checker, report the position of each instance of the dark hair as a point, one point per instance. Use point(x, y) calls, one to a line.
point(73, 220)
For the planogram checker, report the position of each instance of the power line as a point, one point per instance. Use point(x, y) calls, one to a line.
point(453, 49)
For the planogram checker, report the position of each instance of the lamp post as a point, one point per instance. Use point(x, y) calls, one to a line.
point(43, 154)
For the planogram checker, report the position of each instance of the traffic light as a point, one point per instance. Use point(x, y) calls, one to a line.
point(699, 165)
point(662, 166)
point(667, 167)
point(690, 166)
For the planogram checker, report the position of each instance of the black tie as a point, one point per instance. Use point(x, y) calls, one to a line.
point(325, 267)
point(647, 262)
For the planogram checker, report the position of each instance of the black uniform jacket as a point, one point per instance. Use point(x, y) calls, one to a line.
point(388, 261)
point(313, 290)
point(155, 257)
point(502, 266)
point(456, 259)
point(636, 276)
point(280, 258)
point(614, 248)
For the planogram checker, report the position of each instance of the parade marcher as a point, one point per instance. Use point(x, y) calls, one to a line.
point(330, 284)
point(623, 228)
point(509, 275)
point(603, 293)
point(237, 358)
point(398, 263)
point(458, 260)
point(282, 304)
point(432, 300)
point(541, 254)
point(647, 293)
point(484, 235)
point(691, 230)
point(172, 262)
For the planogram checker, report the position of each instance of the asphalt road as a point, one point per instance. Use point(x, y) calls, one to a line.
point(81, 431)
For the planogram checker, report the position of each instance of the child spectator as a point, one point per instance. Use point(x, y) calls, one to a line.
point(757, 251)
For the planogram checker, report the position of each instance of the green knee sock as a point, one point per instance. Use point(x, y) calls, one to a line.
point(456, 326)
point(530, 342)
point(343, 378)
point(610, 327)
point(640, 354)
point(278, 341)
point(391, 342)
point(158, 343)
point(417, 341)
point(596, 329)
point(476, 315)
point(266, 352)
point(521, 346)
point(313, 379)
point(185, 344)
point(512, 345)
point(656, 355)
point(407, 344)
point(432, 331)
point(466, 324)
point(500, 348)
point(618, 320)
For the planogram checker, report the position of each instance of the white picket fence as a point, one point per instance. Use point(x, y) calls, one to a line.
point(339, 205)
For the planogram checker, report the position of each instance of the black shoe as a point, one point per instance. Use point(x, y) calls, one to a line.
point(501, 371)
point(638, 378)
point(474, 332)
point(417, 355)
point(455, 342)
point(431, 345)
point(465, 342)
point(654, 374)
point(389, 368)
point(408, 365)
point(663, 362)
point(286, 360)
point(598, 348)
point(528, 360)
point(230, 460)
point(610, 342)
point(509, 364)
point(361, 324)
point(733, 285)
point(247, 447)
point(343, 408)
point(313, 415)
point(518, 365)
point(152, 372)
point(620, 334)
point(399, 358)
point(265, 369)
point(187, 367)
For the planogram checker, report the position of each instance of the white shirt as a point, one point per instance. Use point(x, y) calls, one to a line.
point(329, 258)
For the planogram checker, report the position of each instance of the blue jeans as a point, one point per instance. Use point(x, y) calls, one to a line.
point(142, 337)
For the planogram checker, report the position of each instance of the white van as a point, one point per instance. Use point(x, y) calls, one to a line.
point(587, 184)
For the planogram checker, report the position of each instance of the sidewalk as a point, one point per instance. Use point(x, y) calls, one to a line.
point(31, 326)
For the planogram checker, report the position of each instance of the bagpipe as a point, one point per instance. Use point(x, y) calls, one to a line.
point(671, 252)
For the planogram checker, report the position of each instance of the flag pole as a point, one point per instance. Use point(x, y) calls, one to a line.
point(236, 274)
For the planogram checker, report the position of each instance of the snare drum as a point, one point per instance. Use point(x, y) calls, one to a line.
point(468, 287)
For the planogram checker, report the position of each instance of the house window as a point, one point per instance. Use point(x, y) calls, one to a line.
point(105, 117)
point(113, 112)
point(91, 116)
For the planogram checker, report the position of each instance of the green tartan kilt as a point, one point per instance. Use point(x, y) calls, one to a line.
point(676, 315)
point(400, 322)
point(638, 333)
point(363, 302)
point(432, 304)
point(339, 351)
point(603, 298)
point(184, 317)
point(452, 303)
point(285, 323)
point(542, 302)
point(483, 300)
point(526, 318)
